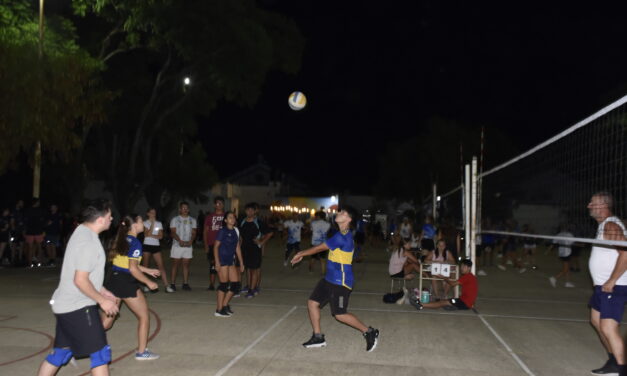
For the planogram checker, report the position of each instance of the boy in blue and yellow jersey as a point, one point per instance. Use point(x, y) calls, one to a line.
point(335, 288)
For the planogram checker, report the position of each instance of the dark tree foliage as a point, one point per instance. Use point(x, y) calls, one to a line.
point(149, 147)
point(409, 167)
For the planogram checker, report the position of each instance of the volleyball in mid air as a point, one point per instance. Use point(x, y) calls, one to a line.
point(297, 101)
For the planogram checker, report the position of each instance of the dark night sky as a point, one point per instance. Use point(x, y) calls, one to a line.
point(375, 71)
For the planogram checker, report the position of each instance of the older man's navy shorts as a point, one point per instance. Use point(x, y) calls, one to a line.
point(610, 305)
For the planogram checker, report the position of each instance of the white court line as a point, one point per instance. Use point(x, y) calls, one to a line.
point(536, 318)
point(381, 294)
point(247, 349)
point(309, 291)
point(245, 304)
point(533, 300)
point(509, 349)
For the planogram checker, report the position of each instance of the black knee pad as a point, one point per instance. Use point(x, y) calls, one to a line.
point(235, 287)
point(224, 287)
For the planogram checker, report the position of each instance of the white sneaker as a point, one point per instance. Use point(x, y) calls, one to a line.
point(522, 270)
point(482, 273)
point(169, 289)
point(501, 267)
point(569, 284)
point(285, 263)
point(509, 262)
point(401, 300)
point(553, 281)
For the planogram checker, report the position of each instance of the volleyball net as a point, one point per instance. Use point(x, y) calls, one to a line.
point(545, 190)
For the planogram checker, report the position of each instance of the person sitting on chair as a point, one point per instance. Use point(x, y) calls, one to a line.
point(403, 263)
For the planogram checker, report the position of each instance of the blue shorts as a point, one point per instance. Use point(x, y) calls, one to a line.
point(610, 305)
point(227, 259)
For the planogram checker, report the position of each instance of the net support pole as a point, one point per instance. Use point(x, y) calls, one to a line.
point(435, 203)
point(473, 214)
point(466, 210)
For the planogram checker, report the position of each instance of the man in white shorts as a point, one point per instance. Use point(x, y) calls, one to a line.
point(183, 231)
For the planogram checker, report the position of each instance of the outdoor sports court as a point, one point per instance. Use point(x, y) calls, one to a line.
point(523, 326)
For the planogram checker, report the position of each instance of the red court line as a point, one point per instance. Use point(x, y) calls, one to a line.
point(6, 318)
point(154, 334)
point(32, 355)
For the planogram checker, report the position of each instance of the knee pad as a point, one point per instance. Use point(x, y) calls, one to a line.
point(59, 357)
point(224, 287)
point(235, 287)
point(100, 357)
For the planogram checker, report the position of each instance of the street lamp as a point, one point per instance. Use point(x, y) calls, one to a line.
point(186, 83)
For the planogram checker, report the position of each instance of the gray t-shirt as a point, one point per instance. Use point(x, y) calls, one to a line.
point(84, 252)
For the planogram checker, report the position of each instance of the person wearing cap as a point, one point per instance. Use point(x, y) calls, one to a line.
point(470, 290)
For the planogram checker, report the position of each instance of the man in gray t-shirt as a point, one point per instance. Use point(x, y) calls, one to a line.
point(79, 330)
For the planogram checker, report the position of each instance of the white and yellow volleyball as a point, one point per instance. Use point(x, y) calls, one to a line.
point(297, 101)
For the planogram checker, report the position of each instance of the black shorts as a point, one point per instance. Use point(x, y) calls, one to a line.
point(575, 250)
point(427, 244)
point(122, 285)
point(252, 256)
point(400, 274)
point(147, 248)
point(326, 292)
point(458, 303)
point(567, 258)
point(320, 255)
point(291, 247)
point(81, 331)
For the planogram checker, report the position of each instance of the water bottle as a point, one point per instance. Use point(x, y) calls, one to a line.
point(425, 296)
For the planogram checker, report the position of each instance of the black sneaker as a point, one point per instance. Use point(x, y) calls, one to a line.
point(315, 342)
point(172, 287)
point(211, 288)
point(222, 313)
point(371, 337)
point(186, 287)
point(416, 303)
point(228, 309)
point(609, 369)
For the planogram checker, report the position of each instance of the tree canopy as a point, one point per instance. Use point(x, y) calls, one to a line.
point(48, 98)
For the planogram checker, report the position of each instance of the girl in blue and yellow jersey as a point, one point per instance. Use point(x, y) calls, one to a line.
point(126, 274)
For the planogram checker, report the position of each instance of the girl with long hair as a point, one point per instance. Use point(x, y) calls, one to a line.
point(440, 255)
point(403, 263)
point(152, 247)
point(226, 250)
point(126, 276)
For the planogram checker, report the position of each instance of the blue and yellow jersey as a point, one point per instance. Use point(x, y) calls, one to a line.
point(339, 268)
point(121, 263)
